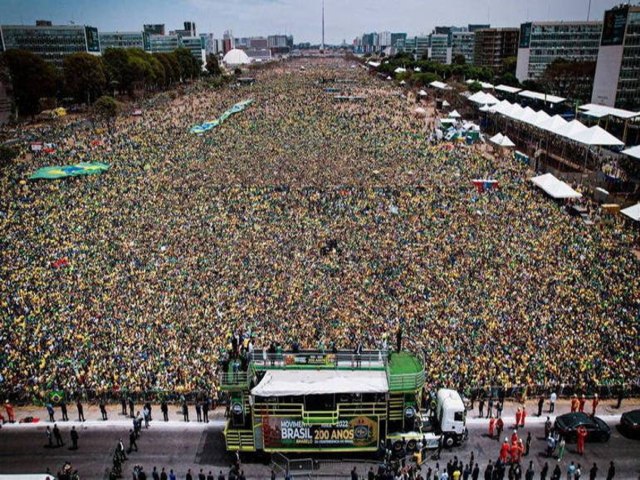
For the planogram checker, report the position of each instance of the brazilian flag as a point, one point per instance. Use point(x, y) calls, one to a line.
point(56, 396)
point(70, 170)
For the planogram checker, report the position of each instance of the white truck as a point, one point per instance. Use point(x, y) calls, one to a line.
point(451, 417)
point(447, 425)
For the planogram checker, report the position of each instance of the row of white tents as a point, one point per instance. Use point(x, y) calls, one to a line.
point(573, 130)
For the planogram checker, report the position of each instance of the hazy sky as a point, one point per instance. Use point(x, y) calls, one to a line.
point(344, 19)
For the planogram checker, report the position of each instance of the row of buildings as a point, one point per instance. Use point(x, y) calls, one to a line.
point(54, 42)
point(613, 44)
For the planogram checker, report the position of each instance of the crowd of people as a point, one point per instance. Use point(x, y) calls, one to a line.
point(304, 220)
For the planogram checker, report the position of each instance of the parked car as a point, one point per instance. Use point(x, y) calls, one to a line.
point(597, 429)
point(630, 423)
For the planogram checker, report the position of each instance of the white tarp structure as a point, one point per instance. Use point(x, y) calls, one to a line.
point(454, 114)
point(440, 85)
point(502, 141)
point(553, 124)
point(555, 188)
point(598, 111)
point(597, 136)
point(478, 97)
point(508, 89)
point(280, 383)
point(632, 212)
point(571, 129)
point(373, 64)
point(400, 70)
point(541, 96)
point(633, 152)
point(422, 93)
point(541, 118)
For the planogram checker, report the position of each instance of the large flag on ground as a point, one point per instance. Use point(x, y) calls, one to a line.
point(206, 126)
point(70, 170)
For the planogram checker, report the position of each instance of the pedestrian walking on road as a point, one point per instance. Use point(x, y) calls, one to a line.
point(51, 412)
point(63, 411)
point(164, 408)
point(561, 447)
point(544, 472)
point(80, 411)
point(552, 402)
point(527, 444)
point(499, 427)
point(205, 410)
point(593, 472)
point(540, 405)
point(131, 407)
point(185, 411)
point(163, 475)
point(132, 441)
point(49, 439)
point(123, 406)
point(490, 407)
point(172, 476)
point(188, 476)
point(74, 438)
point(594, 405)
point(57, 435)
point(11, 417)
point(611, 473)
point(492, 426)
point(103, 410)
point(198, 411)
point(481, 407)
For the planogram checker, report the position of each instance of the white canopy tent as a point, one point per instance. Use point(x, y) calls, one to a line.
point(440, 85)
point(400, 70)
point(280, 383)
point(508, 89)
point(541, 96)
point(571, 129)
point(554, 187)
point(599, 111)
point(633, 152)
point(597, 136)
point(632, 212)
point(502, 141)
point(454, 114)
point(478, 97)
point(540, 119)
point(553, 124)
point(422, 93)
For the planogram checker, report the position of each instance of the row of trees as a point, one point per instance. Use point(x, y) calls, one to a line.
point(85, 77)
point(571, 79)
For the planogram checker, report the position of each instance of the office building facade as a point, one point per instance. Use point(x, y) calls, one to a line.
point(617, 78)
point(121, 40)
point(494, 45)
point(543, 42)
point(440, 48)
point(463, 43)
point(51, 42)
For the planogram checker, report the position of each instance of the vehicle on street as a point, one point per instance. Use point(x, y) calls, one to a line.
point(630, 423)
point(597, 429)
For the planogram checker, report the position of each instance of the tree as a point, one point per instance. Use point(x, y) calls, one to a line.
point(213, 66)
point(570, 79)
point(32, 79)
point(509, 65)
point(459, 59)
point(116, 61)
point(189, 67)
point(107, 109)
point(475, 87)
point(84, 76)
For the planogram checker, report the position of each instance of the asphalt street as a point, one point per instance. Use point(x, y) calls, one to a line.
point(179, 446)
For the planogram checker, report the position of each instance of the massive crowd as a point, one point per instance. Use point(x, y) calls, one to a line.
point(187, 239)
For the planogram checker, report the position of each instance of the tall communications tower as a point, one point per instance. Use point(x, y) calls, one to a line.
point(322, 46)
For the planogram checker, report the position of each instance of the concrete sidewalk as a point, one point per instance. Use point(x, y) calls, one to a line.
point(606, 410)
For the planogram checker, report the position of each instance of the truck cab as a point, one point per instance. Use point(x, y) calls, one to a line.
point(451, 417)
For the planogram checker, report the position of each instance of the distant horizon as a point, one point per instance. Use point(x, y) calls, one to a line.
point(344, 20)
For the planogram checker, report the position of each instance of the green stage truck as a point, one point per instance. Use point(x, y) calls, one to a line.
point(316, 401)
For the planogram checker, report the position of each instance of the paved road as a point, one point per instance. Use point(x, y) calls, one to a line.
point(180, 446)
